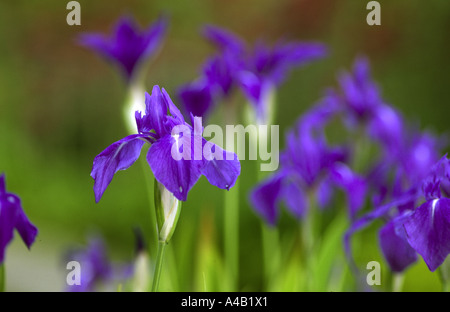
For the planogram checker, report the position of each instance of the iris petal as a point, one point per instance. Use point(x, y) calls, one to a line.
point(428, 231)
point(118, 156)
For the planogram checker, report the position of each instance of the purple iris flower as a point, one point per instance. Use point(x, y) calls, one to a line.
point(95, 267)
point(258, 71)
point(310, 168)
point(396, 197)
point(128, 47)
point(364, 106)
point(428, 226)
point(265, 68)
point(163, 126)
point(13, 217)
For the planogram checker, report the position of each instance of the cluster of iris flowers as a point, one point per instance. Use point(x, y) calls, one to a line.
point(404, 181)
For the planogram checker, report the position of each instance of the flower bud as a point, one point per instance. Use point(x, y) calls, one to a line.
point(168, 209)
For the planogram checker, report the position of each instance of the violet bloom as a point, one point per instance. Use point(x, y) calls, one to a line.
point(395, 200)
point(428, 227)
point(266, 68)
point(363, 106)
point(13, 217)
point(215, 84)
point(258, 71)
point(128, 47)
point(159, 129)
point(310, 170)
point(95, 267)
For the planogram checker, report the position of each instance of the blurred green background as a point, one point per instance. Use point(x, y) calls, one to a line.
point(61, 104)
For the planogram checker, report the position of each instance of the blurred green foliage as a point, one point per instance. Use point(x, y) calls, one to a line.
point(60, 105)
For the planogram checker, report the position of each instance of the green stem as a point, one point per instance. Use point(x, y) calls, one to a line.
point(2, 277)
point(158, 266)
point(444, 275)
point(231, 233)
point(271, 253)
point(397, 282)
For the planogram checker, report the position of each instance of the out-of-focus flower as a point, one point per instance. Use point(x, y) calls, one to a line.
point(128, 46)
point(364, 106)
point(266, 68)
point(13, 217)
point(310, 170)
point(158, 128)
point(396, 198)
point(257, 71)
point(95, 268)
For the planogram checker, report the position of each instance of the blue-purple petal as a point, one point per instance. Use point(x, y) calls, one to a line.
point(396, 249)
point(265, 198)
point(118, 156)
point(428, 231)
point(223, 172)
point(178, 176)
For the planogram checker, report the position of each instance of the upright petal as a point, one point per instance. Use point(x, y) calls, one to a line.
point(197, 98)
point(295, 198)
point(265, 198)
point(118, 156)
point(428, 231)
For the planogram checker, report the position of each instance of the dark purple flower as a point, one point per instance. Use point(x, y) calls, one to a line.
point(265, 69)
point(428, 227)
point(95, 268)
point(13, 217)
point(259, 70)
point(197, 97)
point(310, 170)
point(178, 154)
point(128, 47)
point(363, 106)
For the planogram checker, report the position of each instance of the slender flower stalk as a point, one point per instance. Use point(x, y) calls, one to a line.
point(2, 277)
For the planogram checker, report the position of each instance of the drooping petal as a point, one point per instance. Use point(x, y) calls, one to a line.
point(324, 193)
point(353, 185)
point(178, 176)
point(428, 231)
point(295, 198)
point(265, 198)
point(368, 218)
point(8, 219)
point(118, 156)
point(222, 172)
point(396, 249)
point(26, 229)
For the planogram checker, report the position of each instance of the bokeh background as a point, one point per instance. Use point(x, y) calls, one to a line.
point(60, 105)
